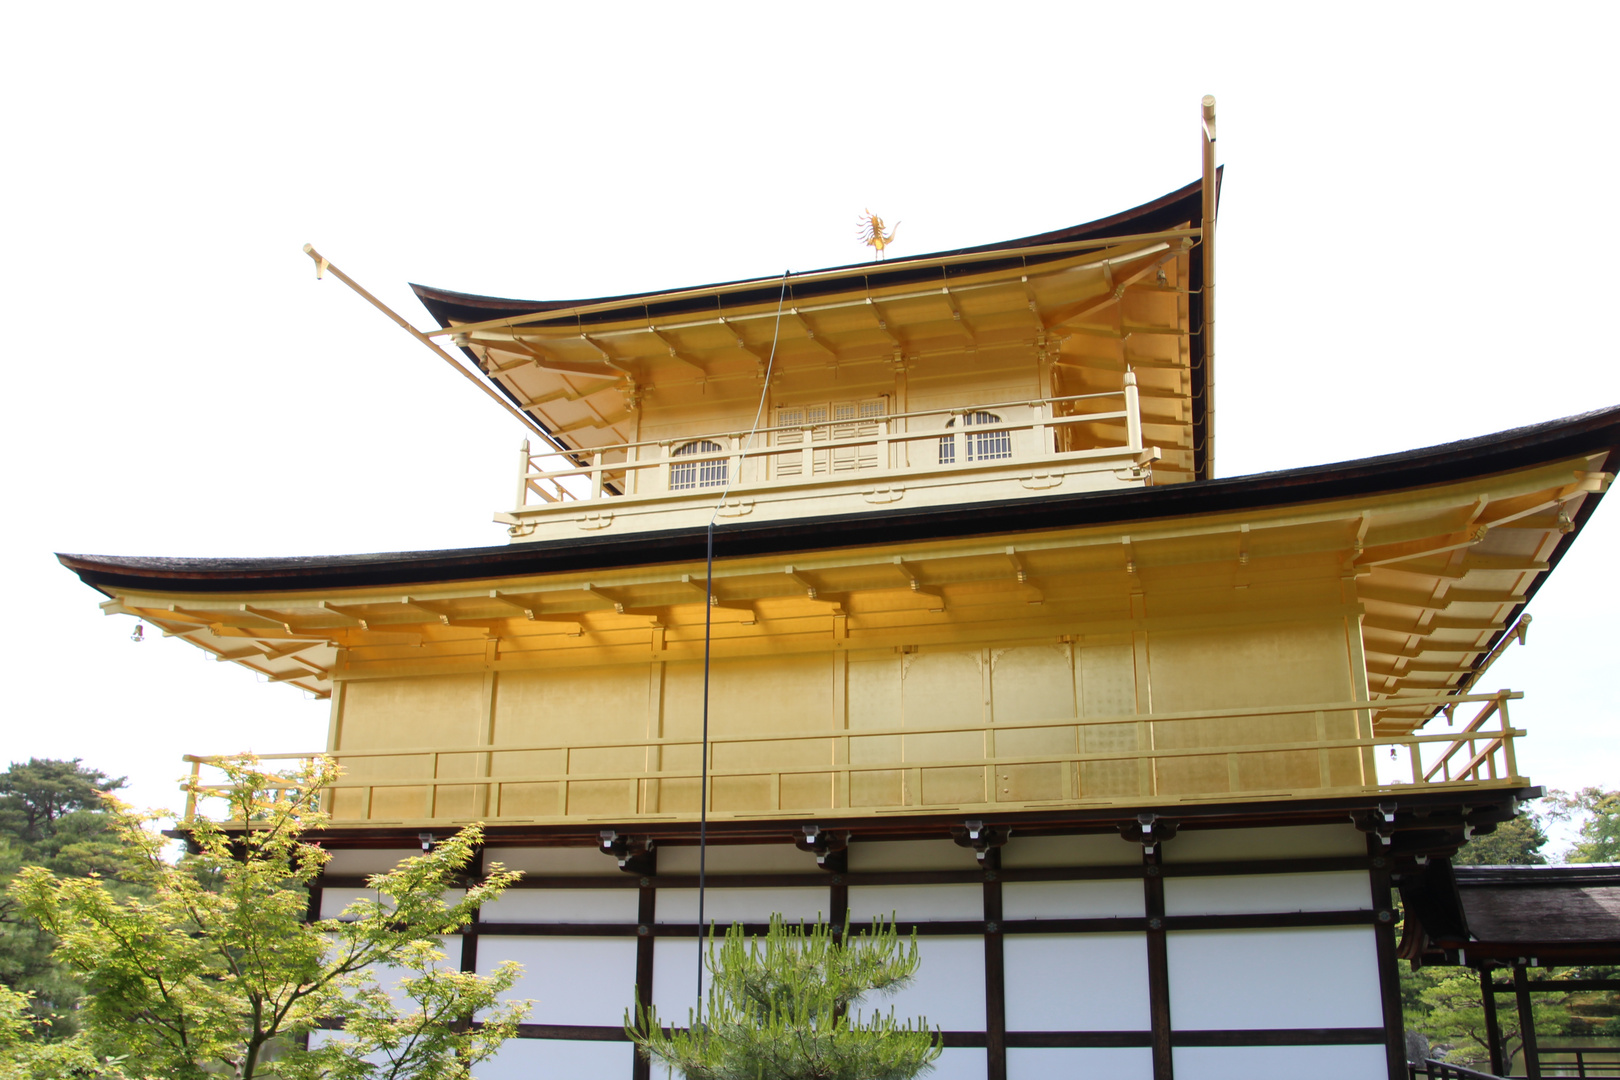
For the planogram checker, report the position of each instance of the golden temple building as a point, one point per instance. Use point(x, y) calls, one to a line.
point(990, 647)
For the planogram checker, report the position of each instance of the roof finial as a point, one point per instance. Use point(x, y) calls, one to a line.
point(871, 233)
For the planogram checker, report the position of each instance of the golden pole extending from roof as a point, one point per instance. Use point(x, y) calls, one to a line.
point(1206, 240)
point(322, 265)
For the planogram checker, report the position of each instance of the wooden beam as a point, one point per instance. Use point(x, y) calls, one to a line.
point(322, 264)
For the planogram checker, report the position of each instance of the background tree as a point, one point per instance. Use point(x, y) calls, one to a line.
point(52, 815)
point(786, 1007)
point(1514, 843)
point(219, 967)
point(25, 1057)
point(1600, 828)
point(1454, 1015)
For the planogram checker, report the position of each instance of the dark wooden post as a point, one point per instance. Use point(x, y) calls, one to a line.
point(1493, 1026)
point(995, 981)
point(469, 933)
point(1527, 1024)
point(1158, 957)
point(646, 924)
point(1389, 973)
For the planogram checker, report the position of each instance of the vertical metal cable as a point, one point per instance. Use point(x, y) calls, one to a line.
point(708, 627)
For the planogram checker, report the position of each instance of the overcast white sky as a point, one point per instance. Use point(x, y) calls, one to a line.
point(1411, 252)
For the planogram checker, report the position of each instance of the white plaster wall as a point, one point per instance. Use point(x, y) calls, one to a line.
point(915, 903)
point(1072, 899)
point(388, 976)
point(559, 1059)
point(1080, 1063)
point(1278, 1062)
point(571, 980)
point(1098, 850)
point(675, 977)
point(738, 859)
point(949, 988)
point(333, 901)
point(1089, 982)
point(553, 861)
point(563, 905)
point(1291, 978)
point(1259, 893)
point(881, 855)
point(961, 1063)
point(743, 905)
point(1281, 842)
point(358, 862)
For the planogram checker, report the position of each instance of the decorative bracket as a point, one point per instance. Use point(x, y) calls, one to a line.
point(980, 837)
point(1380, 821)
point(635, 855)
point(829, 848)
point(1149, 830)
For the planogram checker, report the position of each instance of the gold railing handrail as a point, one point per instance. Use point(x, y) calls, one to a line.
point(926, 729)
point(955, 410)
point(893, 766)
point(631, 458)
point(834, 444)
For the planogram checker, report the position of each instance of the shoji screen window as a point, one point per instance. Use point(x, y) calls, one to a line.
point(833, 437)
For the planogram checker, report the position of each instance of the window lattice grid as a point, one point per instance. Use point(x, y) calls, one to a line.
point(978, 445)
point(688, 475)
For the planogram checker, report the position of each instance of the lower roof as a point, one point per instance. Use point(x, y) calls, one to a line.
point(1591, 433)
point(1435, 551)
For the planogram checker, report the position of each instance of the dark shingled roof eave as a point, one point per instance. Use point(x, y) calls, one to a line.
point(1519, 448)
point(1184, 204)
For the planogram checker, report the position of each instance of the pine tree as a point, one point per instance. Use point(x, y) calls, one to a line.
point(786, 1007)
point(52, 814)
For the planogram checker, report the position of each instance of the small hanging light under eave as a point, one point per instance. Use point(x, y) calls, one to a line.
point(138, 635)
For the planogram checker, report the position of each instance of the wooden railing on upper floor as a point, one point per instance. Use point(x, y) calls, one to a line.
point(1324, 749)
point(943, 436)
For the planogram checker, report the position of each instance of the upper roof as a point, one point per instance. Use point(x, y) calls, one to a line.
point(1092, 299)
point(1164, 213)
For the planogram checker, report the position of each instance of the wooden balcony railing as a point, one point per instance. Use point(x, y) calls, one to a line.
point(1311, 749)
point(881, 443)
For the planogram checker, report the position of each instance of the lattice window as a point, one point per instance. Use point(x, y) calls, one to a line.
point(980, 445)
point(837, 421)
point(686, 475)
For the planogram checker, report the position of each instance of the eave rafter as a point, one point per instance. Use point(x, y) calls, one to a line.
point(816, 339)
point(1426, 571)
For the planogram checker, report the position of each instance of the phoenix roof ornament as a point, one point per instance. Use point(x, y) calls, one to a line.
point(872, 235)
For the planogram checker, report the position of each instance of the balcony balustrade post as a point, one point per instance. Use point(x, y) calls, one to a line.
point(1133, 414)
point(1324, 763)
point(1507, 742)
point(596, 475)
point(432, 787)
point(191, 793)
point(523, 475)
